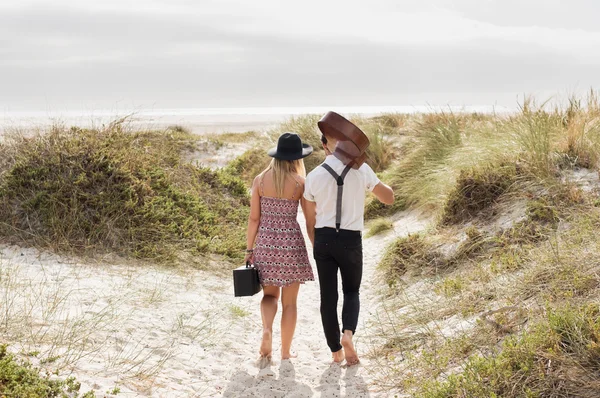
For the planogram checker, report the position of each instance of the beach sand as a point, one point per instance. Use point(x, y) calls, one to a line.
point(161, 332)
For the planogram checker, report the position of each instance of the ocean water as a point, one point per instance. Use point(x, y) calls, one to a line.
point(201, 120)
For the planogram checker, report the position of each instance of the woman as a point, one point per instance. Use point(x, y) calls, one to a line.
point(276, 246)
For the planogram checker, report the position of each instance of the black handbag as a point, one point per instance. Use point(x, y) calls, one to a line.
point(245, 281)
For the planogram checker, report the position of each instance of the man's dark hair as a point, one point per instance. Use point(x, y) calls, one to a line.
point(323, 139)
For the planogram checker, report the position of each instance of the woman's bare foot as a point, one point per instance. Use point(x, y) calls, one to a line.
point(266, 345)
point(351, 355)
point(263, 362)
point(288, 355)
point(338, 356)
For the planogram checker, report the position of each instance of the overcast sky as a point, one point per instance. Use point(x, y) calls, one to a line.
point(83, 54)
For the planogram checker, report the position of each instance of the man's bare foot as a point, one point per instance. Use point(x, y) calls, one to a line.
point(288, 355)
point(338, 356)
point(351, 355)
point(266, 345)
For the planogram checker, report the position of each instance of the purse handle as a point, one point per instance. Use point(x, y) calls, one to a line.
point(248, 265)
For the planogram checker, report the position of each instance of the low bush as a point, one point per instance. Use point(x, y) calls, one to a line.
point(21, 379)
point(248, 165)
point(118, 191)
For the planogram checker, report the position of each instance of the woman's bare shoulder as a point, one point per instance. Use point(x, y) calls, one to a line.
point(299, 179)
point(258, 179)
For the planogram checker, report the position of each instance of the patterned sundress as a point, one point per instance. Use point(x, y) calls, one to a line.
point(280, 254)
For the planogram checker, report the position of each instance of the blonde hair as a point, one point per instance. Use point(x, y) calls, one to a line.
point(282, 169)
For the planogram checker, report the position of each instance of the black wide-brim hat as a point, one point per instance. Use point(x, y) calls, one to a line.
point(290, 147)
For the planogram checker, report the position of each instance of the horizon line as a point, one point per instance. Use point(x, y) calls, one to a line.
point(253, 110)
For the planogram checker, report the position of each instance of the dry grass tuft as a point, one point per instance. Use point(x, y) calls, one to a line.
point(379, 226)
point(410, 253)
point(477, 190)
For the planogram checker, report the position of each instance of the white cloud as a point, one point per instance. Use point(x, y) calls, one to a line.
point(223, 51)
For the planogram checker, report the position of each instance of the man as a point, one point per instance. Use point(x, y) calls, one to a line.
point(339, 247)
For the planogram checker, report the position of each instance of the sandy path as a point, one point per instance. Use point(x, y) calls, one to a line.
point(161, 332)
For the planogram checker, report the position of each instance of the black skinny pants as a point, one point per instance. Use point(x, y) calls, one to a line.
point(332, 251)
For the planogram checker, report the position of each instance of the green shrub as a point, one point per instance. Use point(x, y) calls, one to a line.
point(541, 210)
point(450, 286)
point(113, 190)
point(20, 379)
point(248, 165)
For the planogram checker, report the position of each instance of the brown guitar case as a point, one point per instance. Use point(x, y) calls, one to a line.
point(352, 143)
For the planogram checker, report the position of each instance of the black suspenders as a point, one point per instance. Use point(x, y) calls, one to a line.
point(340, 184)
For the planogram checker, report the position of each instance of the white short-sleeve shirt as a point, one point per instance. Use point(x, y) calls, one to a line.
point(321, 187)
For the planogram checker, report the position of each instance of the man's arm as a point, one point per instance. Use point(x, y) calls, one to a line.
point(384, 193)
point(310, 213)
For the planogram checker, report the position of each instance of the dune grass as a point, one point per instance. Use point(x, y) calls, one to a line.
point(379, 226)
point(381, 152)
point(559, 356)
point(255, 160)
point(444, 144)
point(393, 122)
point(451, 323)
point(413, 177)
point(114, 190)
point(498, 298)
point(476, 190)
point(221, 139)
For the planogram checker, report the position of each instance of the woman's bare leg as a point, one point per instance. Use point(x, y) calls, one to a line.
point(268, 309)
point(289, 294)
